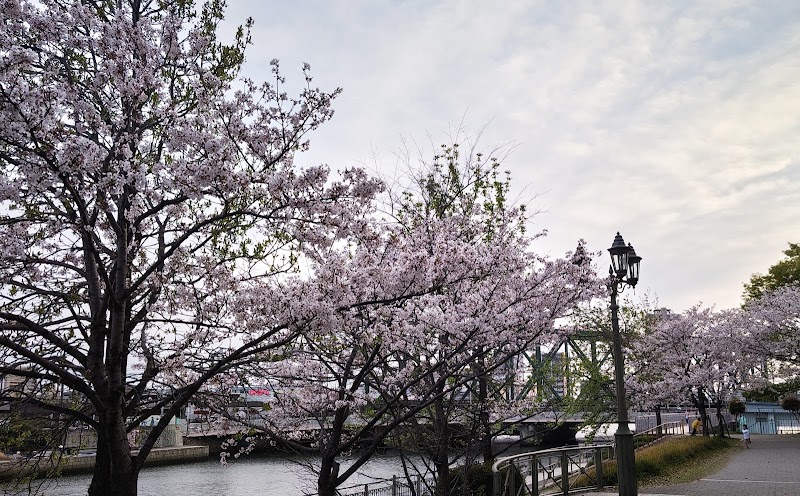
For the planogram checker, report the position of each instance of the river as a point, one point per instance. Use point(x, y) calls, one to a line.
point(254, 475)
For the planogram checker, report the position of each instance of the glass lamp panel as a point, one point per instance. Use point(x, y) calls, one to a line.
point(633, 266)
point(619, 256)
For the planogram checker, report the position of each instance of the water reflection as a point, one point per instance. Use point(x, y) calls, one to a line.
point(247, 476)
point(254, 475)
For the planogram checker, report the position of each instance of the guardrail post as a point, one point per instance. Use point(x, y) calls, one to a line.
point(534, 476)
point(511, 478)
point(498, 482)
point(564, 473)
point(394, 485)
point(598, 467)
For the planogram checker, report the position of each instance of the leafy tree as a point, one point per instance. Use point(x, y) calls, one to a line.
point(771, 393)
point(791, 403)
point(736, 407)
point(149, 199)
point(784, 273)
point(593, 379)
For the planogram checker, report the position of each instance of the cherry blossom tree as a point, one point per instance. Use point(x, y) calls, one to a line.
point(770, 318)
point(688, 357)
point(453, 186)
point(770, 326)
point(772, 323)
point(150, 203)
point(407, 315)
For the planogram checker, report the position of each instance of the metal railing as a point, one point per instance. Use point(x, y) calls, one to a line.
point(659, 431)
point(393, 487)
point(772, 423)
point(397, 486)
point(554, 471)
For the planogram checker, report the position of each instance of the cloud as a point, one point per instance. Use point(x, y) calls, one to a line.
point(673, 122)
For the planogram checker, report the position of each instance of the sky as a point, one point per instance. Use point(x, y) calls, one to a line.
point(675, 123)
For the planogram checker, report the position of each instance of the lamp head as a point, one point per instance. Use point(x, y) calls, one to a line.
point(619, 257)
point(633, 266)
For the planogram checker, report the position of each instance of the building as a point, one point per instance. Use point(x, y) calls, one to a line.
point(769, 418)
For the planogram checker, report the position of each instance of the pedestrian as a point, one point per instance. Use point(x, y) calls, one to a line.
point(745, 436)
point(695, 426)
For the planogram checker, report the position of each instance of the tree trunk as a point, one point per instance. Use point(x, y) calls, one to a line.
point(485, 424)
point(721, 421)
point(330, 440)
point(116, 471)
point(113, 479)
point(442, 458)
point(329, 472)
point(702, 410)
point(121, 483)
point(101, 479)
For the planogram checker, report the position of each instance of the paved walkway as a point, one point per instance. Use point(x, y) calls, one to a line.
point(771, 467)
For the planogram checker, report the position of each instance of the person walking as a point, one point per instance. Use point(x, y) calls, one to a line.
point(745, 436)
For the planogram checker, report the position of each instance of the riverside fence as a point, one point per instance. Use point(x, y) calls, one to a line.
point(396, 486)
point(553, 471)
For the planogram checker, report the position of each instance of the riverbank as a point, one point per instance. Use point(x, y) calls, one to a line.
point(83, 462)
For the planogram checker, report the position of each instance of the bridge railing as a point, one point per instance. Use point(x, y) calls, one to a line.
point(554, 471)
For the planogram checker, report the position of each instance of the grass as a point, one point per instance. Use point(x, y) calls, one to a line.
point(686, 459)
point(675, 460)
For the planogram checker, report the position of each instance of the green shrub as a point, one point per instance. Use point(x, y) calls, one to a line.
point(640, 441)
point(465, 480)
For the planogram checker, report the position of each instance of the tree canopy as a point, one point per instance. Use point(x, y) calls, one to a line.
point(150, 195)
point(786, 272)
point(158, 239)
point(689, 357)
point(441, 294)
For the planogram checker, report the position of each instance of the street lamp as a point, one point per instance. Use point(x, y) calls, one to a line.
point(624, 269)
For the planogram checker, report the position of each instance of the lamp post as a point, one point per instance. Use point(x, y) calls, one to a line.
point(624, 270)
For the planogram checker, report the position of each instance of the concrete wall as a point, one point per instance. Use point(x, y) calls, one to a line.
point(71, 464)
point(87, 438)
